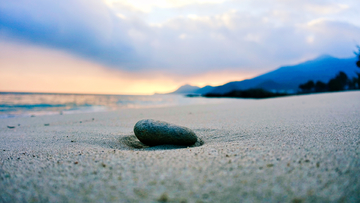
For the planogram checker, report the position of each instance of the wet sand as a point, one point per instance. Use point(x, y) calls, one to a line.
point(289, 149)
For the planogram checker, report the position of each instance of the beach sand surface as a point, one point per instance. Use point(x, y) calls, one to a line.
point(290, 149)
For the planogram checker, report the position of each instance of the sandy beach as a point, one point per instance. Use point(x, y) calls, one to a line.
point(290, 149)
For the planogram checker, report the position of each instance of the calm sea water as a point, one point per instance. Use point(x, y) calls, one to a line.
point(36, 104)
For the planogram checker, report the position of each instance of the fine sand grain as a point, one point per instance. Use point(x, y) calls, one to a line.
point(290, 149)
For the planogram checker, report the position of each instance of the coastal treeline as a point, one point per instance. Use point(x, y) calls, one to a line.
point(339, 83)
point(256, 93)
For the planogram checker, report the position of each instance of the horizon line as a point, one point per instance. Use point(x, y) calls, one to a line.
point(68, 93)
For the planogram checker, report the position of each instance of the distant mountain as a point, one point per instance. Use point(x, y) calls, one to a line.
point(189, 89)
point(288, 78)
point(204, 90)
point(186, 89)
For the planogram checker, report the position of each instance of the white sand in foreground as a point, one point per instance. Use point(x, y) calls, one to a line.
point(291, 149)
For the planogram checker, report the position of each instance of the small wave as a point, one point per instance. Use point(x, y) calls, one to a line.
point(85, 109)
point(30, 106)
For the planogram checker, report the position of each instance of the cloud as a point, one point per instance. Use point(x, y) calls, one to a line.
point(186, 37)
point(86, 28)
point(28, 68)
point(148, 6)
point(241, 40)
point(333, 37)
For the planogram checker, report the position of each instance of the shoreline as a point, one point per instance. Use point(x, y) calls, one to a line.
point(290, 149)
point(27, 105)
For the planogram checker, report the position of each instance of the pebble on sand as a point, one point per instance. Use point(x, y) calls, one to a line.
point(152, 132)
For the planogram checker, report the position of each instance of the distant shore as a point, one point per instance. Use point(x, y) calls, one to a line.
point(261, 94)
point(286, 149)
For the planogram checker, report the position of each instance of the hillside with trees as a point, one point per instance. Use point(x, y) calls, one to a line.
point(340, 82)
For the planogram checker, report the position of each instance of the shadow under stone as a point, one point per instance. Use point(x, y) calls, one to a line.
point(133, 142)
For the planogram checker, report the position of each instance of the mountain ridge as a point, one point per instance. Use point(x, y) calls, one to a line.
point(287, 78)
point(322, 69)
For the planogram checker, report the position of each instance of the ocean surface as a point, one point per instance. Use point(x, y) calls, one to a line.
point(37, 104)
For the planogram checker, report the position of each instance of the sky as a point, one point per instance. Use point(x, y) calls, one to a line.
point(146, 47)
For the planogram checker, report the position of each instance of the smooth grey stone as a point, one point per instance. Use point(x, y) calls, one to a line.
point(152, 132)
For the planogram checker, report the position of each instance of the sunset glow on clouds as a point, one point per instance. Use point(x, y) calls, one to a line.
point(26, 68)
point(142, 47)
